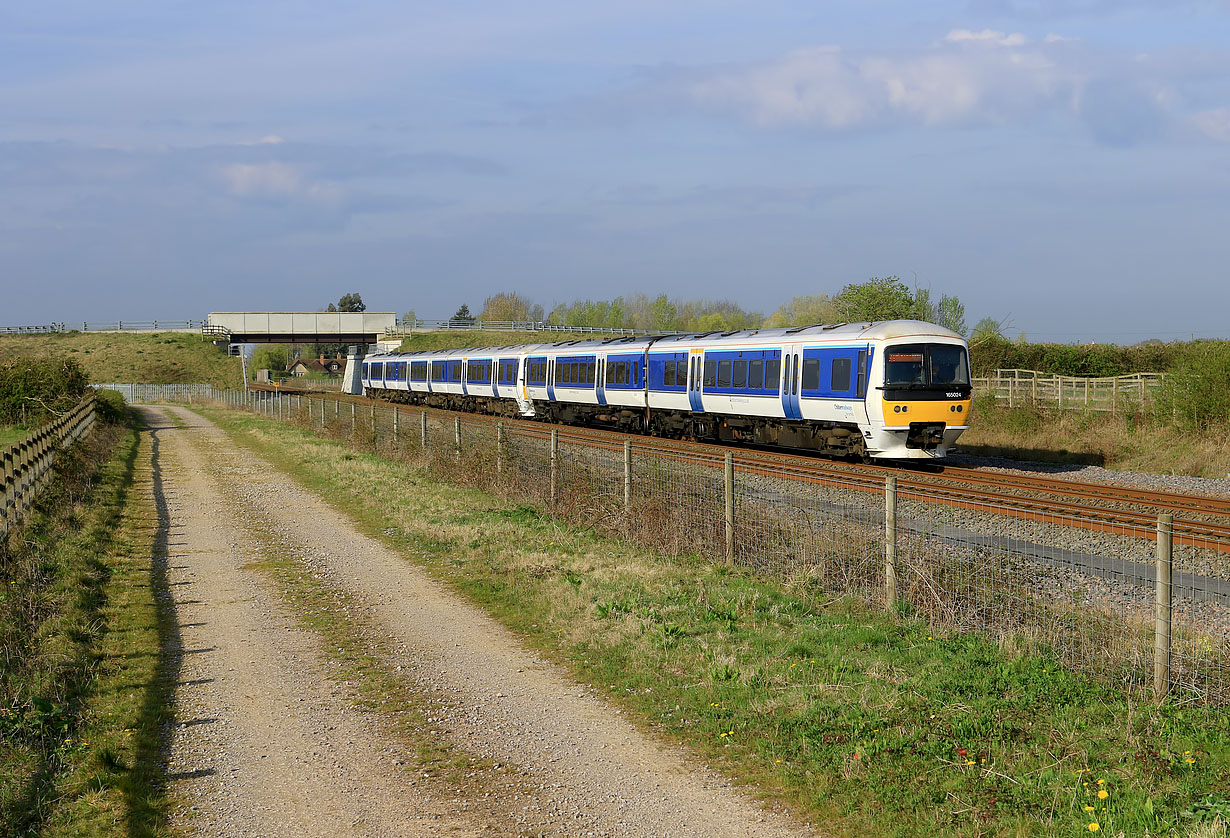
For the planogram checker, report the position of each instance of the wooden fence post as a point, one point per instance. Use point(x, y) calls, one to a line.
point(499, 447)
point(729, 491)
point(423, 428)
point(554, 465)
point(627, 476)
point(890, 542)
point(457, 435)
point(1162, 606)
point(395, 426)
point(354, 420)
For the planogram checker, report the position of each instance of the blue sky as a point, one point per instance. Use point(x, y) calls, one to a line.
point(1064, 165)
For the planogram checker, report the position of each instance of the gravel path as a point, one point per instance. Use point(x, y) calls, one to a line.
point(266, 743)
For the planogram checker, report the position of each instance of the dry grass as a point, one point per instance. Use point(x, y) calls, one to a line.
point(1129, 443)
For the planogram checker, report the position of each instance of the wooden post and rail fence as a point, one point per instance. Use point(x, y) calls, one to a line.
point(25, 466)
point(1119, 394)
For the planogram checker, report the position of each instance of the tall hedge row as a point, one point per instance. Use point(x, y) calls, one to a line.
point(1097, 360)
point(32, 390)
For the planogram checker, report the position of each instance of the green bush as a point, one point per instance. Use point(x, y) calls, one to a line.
point(32, 389)
point(1196, 394)
point(111, 406)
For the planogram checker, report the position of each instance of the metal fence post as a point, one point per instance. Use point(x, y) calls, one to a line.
point(395, 426)
point(627, 476)
point(1162, 607)
point(890, 541)
point(457, 434)
point(354, 420)
point(729, 485)
point(554, 464)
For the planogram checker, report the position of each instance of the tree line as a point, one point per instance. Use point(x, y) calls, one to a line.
point(879, 298)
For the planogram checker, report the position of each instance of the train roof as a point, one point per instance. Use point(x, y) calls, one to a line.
point(859, 331)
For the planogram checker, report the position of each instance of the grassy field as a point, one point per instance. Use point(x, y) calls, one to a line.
point(145, 357)
point(1119, 442)
point(862, 722)
point(82, 692)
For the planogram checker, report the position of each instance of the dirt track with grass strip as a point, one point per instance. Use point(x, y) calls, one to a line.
point(327, 686)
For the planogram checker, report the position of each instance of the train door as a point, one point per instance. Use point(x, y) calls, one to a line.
point(600, 380)
point(551, 379)
point(791, 364)
point(695, 375)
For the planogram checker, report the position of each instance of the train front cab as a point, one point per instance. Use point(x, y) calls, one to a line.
point(923, 399)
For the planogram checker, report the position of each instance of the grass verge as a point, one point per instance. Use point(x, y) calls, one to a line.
point(147, 357)
point(81, 700)
point(1071, 437)
point(864, 723)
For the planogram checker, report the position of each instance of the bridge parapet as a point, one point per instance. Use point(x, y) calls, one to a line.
point(363, 327)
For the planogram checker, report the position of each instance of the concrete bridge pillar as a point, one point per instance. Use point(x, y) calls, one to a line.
point(352, 380)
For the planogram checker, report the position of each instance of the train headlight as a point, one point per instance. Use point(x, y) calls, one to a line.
point(896, 408)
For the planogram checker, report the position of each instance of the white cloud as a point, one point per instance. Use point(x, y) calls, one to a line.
point(268, 139)
point(986, 36)
point(262, 178)
point(945, 84)
point(1214, 124)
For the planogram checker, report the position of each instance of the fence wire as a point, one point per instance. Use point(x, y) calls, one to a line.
point(1144, 605)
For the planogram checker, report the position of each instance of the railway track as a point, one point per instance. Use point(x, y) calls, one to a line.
point(1199, 520)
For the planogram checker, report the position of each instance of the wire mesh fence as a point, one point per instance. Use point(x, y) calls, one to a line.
point(1145, 605)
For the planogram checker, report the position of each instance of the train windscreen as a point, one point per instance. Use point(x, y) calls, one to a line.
point(926, 366)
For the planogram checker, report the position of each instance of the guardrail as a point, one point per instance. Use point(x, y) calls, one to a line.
point(1064, 392)
point(25, 466)
point(105, 326)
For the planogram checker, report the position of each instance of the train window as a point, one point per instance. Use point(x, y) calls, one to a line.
point(841, 375)
point(590, 372)
point(772, 374)
point(668, 374)
point(710, 372)
point(811, 373)
point(903, 365)
point(723, 376)
point(740, 376)
point(948, 365)
point(755, 374)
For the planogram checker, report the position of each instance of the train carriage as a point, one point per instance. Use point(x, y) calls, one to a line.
point(894, 390)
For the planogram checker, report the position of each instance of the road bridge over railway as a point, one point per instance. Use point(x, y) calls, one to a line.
point(359, 329)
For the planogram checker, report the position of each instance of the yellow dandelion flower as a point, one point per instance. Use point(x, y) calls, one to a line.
point(1101, 782)
point(1103, 794)
point(1189, 761)
point(1093, 827)
point(1088, 808)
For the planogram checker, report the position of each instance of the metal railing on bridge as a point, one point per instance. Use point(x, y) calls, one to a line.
point(105, 326)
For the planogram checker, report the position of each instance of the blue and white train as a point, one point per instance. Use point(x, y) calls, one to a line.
point(896, 389)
